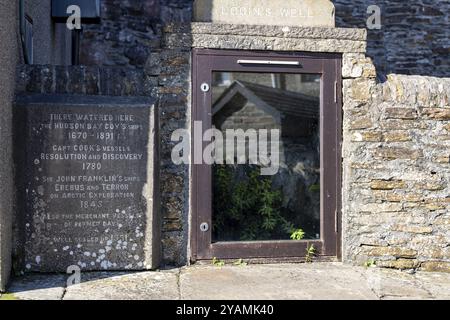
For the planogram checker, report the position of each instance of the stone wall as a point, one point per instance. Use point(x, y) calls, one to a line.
point(130, 36)
point(84, 80)
point(129, 31)
point(396, 161)
point(413, 38)
point(388, 136)
point(396, 178)
point(173, 69)
point(139, 34)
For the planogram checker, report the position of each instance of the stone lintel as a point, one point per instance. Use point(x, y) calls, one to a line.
point(245, 37)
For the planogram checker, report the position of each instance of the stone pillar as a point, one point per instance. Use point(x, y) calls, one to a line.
point(8, 60)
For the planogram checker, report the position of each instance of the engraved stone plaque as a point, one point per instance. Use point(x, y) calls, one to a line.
point(304, 13)
point(87, 180)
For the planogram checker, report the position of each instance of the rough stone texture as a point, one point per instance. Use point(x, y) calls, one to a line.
point(128, 32)
point(172, 64)
point(241, 37)
point(174, 93)
point(413, 39)
point(84, 80)
point(329, 281)
point(8, 59)
point(267, 31)
point(410, 202)
point(396, 169)
point(266, 12)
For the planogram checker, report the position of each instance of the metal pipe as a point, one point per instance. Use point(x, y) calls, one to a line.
point(22, 30)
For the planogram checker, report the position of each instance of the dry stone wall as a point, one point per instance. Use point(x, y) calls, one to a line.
point(396, 160)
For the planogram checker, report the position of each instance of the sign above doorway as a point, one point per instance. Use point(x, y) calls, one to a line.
point(305, 13)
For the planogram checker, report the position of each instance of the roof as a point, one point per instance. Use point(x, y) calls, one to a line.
point(283, 101)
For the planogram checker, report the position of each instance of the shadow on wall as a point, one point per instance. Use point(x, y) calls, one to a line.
point(131, 36)
point(414, 38)
point(130, 31)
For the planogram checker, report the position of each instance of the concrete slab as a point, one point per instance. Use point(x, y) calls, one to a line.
point(119, 286)
point(287, 282)
point(38, 287)
point(437, 284)
point(393, 284)
point(325, 281)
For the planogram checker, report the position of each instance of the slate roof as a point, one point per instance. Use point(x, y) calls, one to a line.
point(285, 102)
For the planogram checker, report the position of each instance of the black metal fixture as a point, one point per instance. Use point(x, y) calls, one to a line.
point(90, 10)
point(89, 14)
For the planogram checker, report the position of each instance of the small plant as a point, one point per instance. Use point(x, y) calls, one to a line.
point(217, 262)
point(240, 263)
point(8, 296)
point(298, 234)
point(310, 252)
point(314, 188)
point(370, 263)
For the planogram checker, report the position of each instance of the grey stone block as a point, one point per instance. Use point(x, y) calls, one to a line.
point(88, 184)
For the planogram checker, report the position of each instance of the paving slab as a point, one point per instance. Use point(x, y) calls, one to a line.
point(438, 284)
point(38, 287)
point(313, 281)
point(394, 284)
point(120, 286)
point(286, 282)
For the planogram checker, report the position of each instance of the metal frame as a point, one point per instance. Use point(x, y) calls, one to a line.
point(205, 61)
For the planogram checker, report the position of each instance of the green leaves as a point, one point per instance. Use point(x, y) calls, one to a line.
point(246, 207)
point(310, 253)
point(217, 262)
point(298, 234)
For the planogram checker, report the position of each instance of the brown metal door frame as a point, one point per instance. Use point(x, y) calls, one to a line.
point(205, 61)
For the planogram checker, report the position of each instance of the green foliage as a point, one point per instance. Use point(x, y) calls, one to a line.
point(240, 263)
point(370, 263)
point(314, 188)
point(8, 296)
point(247, 208)
point(298, 234)
point(310, 253)
point(217, 262)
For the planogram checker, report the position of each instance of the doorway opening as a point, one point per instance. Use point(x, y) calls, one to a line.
point(271, 125)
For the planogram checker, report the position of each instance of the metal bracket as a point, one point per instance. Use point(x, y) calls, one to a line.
point(336, 221)
point(204, 87)
point(335, 91)
point(204, 227)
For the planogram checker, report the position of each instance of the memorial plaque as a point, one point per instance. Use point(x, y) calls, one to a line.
point(87, 176)
point(304, 13)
